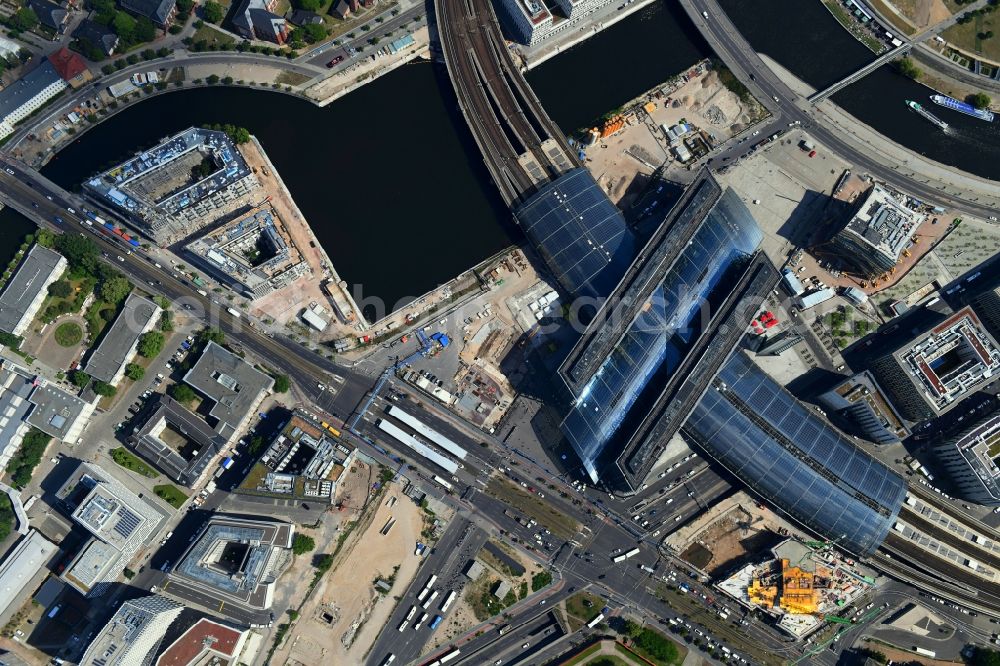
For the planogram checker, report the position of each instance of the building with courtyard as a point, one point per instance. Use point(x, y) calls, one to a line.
point(178, 186)
point(252, 254)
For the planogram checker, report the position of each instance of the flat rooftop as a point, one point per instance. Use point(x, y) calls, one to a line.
point(233, 385)
point(35, 271)
point(158, 441)
point(58, 413)
point(160, 179)
point(119, 340)
point(884, 223)
point(22, 564)
point(952, 360)
point(238, 559)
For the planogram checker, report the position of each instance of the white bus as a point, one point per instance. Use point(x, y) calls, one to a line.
point(409, 615)
point(451, 655)
point(619, 558)
point(420, 621)
point(420, 449)
point(429, 433)
point(430, 599)
point(447, 601)
point(430, 581)
point(596, 621)
point(388, 659)
point(441, 482)
point(402, 626)
point(422, 595)
point(631, 553)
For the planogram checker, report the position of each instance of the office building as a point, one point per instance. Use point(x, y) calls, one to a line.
point(253, 254)
point(120, 342)
point(932, 373)
point(206, 643)
point(133, 634)
point(175, 440)
point(234, 387)
point(236, 560)
point(648, 354)
point(793, 459)
point(877, 235)
point(970, 460)
point(864, 410)
point(28, 287)
point(120, 521)
point(29, 401)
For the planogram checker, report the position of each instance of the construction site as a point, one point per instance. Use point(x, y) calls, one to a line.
point(801, 584)
point(669, 126)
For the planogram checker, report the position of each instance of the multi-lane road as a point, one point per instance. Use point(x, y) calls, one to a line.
point(788, 107)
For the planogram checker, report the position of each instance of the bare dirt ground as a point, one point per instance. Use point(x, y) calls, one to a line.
point(285, 304)
point(343, 618)
point(922, 13)
point(703, 101)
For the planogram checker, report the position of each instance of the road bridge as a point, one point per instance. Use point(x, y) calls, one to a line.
point(818, 97)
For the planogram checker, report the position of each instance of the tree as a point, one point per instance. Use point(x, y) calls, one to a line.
point(79, 378)
point(212, 79)
point(60, 289)
point(907, 68)
point(631, 629)
point(24, 19)
point(150, 344)
point(80, 251)
point(124, 26)
point(980, 100)
point(227, 80)
point(104, 388)
point(134, 372)
point(212, 335)
point(10, 340)
point(985, 657)
point(281, 384)
point(115, 289)
point(145, 31)
point(213, 12)
point(302, 544)
point(315, 32)
point(182, 393)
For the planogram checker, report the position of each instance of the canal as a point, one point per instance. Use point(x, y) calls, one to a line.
point(388, 177)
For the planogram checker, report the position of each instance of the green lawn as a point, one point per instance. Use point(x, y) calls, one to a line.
point(658, 649)
point(575, 606)
point(69, 334)
point(131, 462)
point(966, 37)
point(582, 656)
point(172, 495)
point(212, 36)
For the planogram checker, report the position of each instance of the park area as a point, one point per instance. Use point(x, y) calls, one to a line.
point(612, 653)
point(131, 462)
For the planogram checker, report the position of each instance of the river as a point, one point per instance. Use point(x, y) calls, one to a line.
point(388, 177)
point(787, 29)
point(394, 186)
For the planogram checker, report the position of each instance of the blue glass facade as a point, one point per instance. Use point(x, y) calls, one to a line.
point(794, 459)
point(579, 233)
point(658, 337)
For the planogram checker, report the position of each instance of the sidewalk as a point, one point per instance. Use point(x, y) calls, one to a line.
point(949, 180)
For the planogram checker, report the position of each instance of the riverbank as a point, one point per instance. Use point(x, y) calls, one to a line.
point(604, 17)
point(905, 161)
